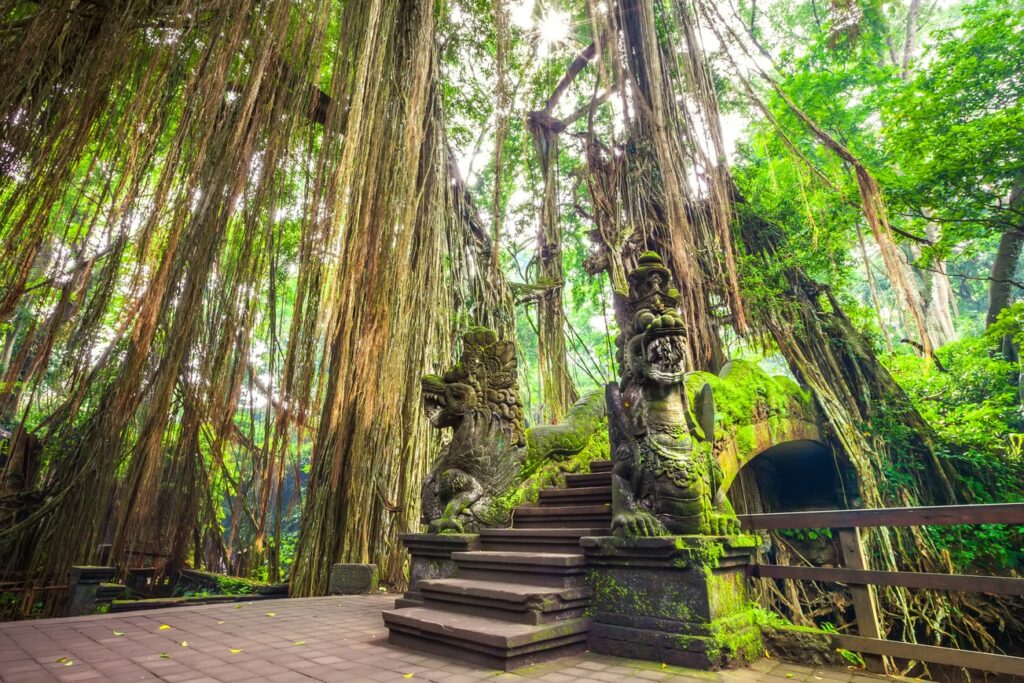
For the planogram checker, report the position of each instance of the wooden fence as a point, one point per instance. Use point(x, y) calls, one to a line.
point(861, 578)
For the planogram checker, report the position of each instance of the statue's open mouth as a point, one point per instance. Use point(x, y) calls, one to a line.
point(666, 357)
point(433, 407)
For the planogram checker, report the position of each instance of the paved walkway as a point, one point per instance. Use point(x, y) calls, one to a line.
point(317, 639)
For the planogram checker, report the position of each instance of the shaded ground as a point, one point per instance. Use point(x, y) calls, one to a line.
point(324, 639)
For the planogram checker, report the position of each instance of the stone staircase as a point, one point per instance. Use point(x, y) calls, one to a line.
point(522, 597)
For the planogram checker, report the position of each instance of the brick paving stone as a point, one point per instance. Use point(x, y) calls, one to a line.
point(344, 640)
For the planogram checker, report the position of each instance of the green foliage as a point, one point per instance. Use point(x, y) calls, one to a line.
point(974, 404)
point(217, 584)
point(942, 137)
point(956, 127)
point(11, 607)
point(975, 410)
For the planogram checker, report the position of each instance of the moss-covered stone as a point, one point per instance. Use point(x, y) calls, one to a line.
point(557, 450)
point(800, 644)
point(680, 600)
point(492, 463)
point(753, 411)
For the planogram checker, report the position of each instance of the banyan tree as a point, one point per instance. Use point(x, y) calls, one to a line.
point(213, 211)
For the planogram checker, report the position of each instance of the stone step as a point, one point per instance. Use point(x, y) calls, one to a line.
point(600, 466)
point(562, 516)
point(491, 642)
point(537, 540)
point(580, 495)
point(532, 568)
point(574, 481)
point(511, 601)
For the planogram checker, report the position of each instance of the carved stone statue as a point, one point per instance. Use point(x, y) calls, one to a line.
point(482, 473)
point(665, 482)
point(479, 400)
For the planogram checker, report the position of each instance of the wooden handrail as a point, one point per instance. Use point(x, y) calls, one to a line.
point(861, 578)
point(966, 659)
point(999, 585)
point(938, 515)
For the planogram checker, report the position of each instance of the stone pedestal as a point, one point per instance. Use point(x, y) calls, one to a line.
point(353, 579)
point(430, 557)
point(676, 599)
point(84, 588)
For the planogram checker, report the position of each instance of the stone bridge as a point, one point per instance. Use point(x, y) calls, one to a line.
point(755, 416)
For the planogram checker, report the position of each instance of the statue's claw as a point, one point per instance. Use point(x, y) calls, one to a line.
point(637, 524)
point(724, 525)
point(446, 525)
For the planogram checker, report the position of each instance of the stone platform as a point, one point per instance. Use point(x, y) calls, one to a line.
point(318, 639)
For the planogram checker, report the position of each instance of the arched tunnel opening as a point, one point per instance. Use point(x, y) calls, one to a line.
point(795, 475)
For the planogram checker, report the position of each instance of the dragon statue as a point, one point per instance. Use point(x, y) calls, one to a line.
point(491, 452)
point(479, 400)
point(665, 481)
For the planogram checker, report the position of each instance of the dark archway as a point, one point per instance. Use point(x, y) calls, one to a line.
point(800, 475)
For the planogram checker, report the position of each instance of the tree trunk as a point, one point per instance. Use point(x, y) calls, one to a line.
point(930, 290)
point(390, 300)
point(1000, 291)
point(661, 157)
point(557, 390)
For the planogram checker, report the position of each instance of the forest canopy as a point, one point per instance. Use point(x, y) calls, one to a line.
point(236, 233)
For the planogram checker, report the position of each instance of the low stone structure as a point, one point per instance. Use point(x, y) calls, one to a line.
point(353, 579)
point(91, 589)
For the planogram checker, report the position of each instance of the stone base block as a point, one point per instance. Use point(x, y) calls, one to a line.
point(87, 592)
point(722, 647)
point(674, 599)
point(353, 579)
point(801, 645)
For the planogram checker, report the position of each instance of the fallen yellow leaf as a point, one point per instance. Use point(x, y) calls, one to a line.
point(299, 642)
point(271, 614)
point(164, 627)
point(118, 633)
point(406, 675)
point(184, 643)
point(220, 622)
point(238, 606)
point(164, 655)
point(235, 651)
point(65, 661)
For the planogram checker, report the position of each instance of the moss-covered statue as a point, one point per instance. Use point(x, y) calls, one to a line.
point(665, 482)
point(479, 400)
point(481, 474)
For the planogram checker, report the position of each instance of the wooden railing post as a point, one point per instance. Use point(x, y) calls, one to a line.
point(863, 596)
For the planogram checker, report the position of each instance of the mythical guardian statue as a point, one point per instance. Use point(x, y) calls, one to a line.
point(664, 482)
point(477, 479)
point(479, 400)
